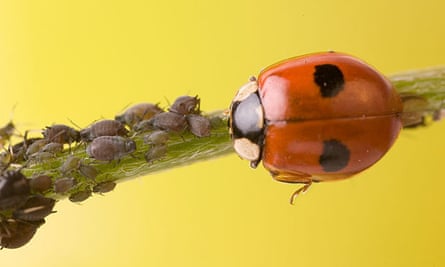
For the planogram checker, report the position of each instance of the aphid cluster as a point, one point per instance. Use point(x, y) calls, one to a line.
point(21, 212)
point(26, 201)
point(184, 114)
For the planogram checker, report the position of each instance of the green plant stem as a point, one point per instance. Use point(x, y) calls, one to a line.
point(423, 93)
point(426, 87)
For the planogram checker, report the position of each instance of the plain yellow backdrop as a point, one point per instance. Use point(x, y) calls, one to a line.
point(85, 60)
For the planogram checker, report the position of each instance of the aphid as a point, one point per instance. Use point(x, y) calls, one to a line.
point(80, 196)
point(36, 146)
point(186, 105)
point(144, 126)
point(155, 152)
point(62, 185)
point(108, 148)
point(6, 133)
point(36, 208)
point(19, 149)
point(14, 189)
point(52, 148)
point(17, 233)
point(103, 128)
point(198, 125)
point(313, 118)
point(61, 134)
point(104, 187)
point(72, 163)
point(169, 121)
point(40, 183)
point(41, 156)
point(88, 171)
point(156, 138)
point(138, 113)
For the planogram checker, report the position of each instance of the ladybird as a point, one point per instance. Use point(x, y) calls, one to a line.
point(317, 117)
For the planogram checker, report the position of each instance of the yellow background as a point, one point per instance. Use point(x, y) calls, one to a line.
point(83, 60)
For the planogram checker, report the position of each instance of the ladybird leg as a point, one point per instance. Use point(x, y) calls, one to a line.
point(291, 177)
point(296, 178)
point(299, 191)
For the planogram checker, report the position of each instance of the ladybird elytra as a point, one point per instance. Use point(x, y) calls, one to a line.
point(288, 89)
point(316, 117)
point(328, 149)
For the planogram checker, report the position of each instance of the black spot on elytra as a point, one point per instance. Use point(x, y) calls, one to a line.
point(335, 156)
point(330, 79)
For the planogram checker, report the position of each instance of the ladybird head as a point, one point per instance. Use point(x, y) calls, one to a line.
point(246, 123)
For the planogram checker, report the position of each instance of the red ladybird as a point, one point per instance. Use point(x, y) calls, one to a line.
point(314, 118)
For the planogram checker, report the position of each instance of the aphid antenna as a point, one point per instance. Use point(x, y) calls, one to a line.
point(22, 125)
point(168, 102)
point(124, 108)
point(25, 136)
point(11, 117)
point(133, 135)
point(73, 123)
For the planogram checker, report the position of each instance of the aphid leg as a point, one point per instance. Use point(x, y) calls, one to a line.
point(57, 135)
point(75, 124)
point(305, 186)
point(6, 157)
point(198, 106)
point(25, 138)
point(4, 231)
